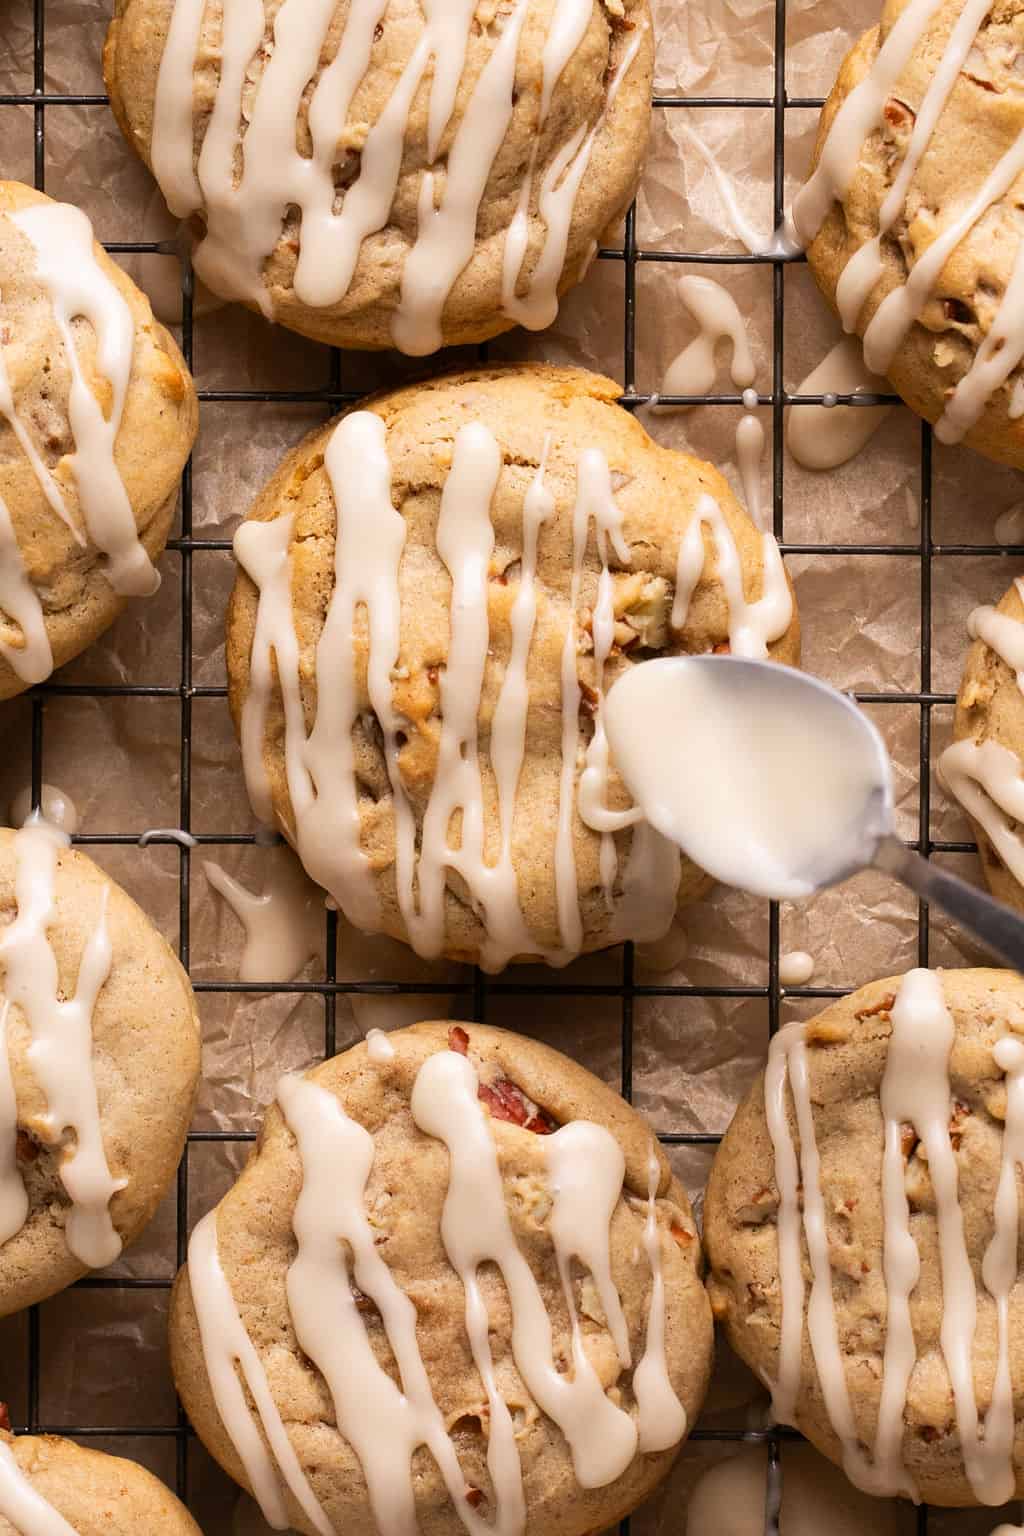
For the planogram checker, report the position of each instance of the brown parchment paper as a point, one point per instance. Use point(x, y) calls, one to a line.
point(103, 1351)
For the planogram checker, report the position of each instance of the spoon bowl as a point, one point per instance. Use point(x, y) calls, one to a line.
point(773, 781)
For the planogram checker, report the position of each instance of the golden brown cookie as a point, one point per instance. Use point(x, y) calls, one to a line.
point(97, 1494)
point(97, 416)
point(875, 1167)
point(524, 1153)
point(565, 533)
point(401, 177)
point(99, 1072)
point(926, 116)
point(983, 767)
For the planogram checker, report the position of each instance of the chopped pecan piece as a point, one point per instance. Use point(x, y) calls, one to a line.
point(885, 1005)
point(507, 1102)
point(458, 1040)
point(474, 1496)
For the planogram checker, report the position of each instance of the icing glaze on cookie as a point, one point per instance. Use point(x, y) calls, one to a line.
point(320, 766)
point(65, 263)
point(60, 1050)
point(24, 1506)
point(859, 116)
point(245, 211)
point(386, 1422)
point(985, 776)
point(916, 1094)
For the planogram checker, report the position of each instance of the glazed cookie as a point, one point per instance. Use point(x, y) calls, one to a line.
point(522, 1340)
point(378, 174)
point(862, 1224)
point(983, 767)
point(97, 417)
point(99, 1063)
point(53, 1487)
point(913, 213)
point(429, 733)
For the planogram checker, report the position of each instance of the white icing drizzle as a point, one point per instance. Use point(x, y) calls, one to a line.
point(752, 626)
point(379, 1047)
point(24, 1506)
point(1000, 352)
point(383, 1423)
point(825, 436)
point(987, 779)
point(283, 925)
point(999, 1266)
point(1002, 633)
point(57, 809)
point(60, 1052)
point(30, 655)
point(13, 1195)
point(244, 218)
point(661, 1417)
point(796, 968)
point(693, 371)
point(595, 501)
point(857, 118)
point(556, 198)
point(900, 308)
point(744, 231)
point(475, 1229)
point(749, 453)
point(446, 236)
point(586, 1168)
point(864, 268)
point(261, 549)
point(167, 834)
point(915, 1089)
point(226, 1348)
point(62, 238)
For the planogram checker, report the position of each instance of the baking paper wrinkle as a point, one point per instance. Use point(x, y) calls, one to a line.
point(120, 758)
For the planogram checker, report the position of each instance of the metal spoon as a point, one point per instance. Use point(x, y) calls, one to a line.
point(774, 781)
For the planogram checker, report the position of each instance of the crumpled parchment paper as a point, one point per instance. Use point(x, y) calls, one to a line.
point(103, 1350)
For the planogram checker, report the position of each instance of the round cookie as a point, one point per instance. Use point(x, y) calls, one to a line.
point(985, 762)
point(413, 178)
point(99, 1064)
point(493, 480)
point(97, 1494)
point(469, 1127)
point(913, 214)
point(98, 414)
point(910, 1100)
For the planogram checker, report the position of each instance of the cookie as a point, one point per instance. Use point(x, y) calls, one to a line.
point(99, 1064)
point(861, 1224)
point(983, 767)
point(97, 416)
point(522, 1261)
point(913, 215)
point(377, 175)
point(516, 540)
point(53, 1486)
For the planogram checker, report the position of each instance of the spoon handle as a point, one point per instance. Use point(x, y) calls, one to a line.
point(998, 927)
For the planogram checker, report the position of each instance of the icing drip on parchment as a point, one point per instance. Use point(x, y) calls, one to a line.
point(60, 1050)
point(62, 241)
point(385, 1422)
point(284, 923)
point(915, 1091)
point(23, 1505)
point(245, 212)
point(828, 435)
point(986, 777)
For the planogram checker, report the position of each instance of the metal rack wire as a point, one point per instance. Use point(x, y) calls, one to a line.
point(476, 992)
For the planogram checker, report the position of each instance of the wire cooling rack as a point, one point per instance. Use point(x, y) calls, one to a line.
point(474, 994)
